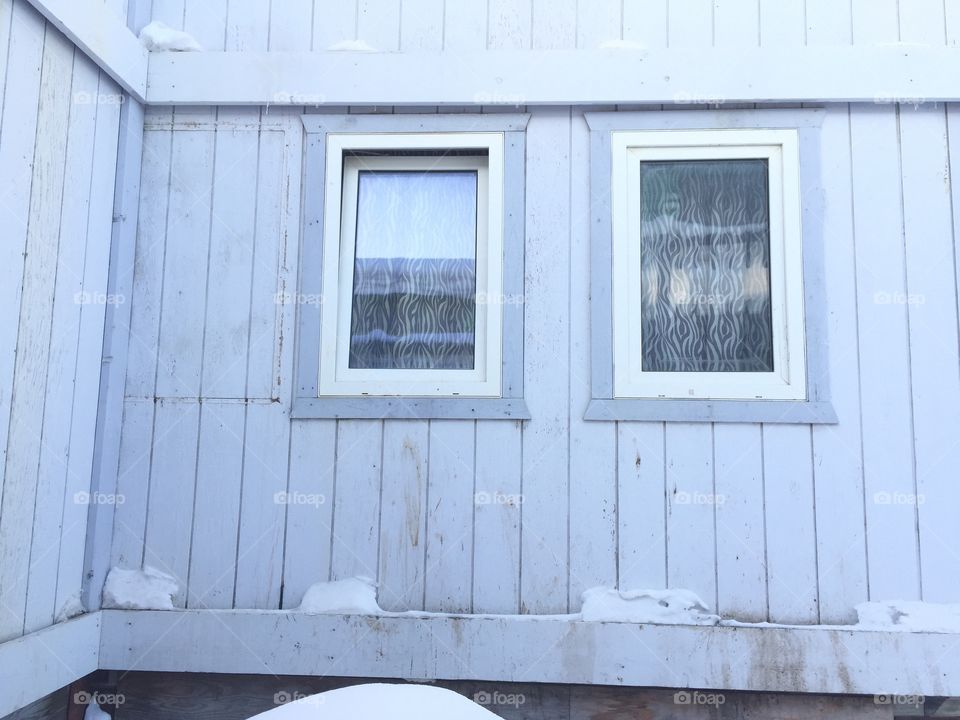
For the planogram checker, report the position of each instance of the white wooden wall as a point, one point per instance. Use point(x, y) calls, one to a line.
point(803, 533)
point(58, 142)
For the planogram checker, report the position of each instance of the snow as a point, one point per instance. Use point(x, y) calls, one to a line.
point(71, 607)
point(618, 44)
point(159, 37)
point(909, 615)
point(354, 596)
point(146, 589)
point(666, 607)
point(352, 46)
point(93, 712)
point(376, 701)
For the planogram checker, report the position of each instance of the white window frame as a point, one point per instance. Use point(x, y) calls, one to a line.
point(336, 378)
point(780, 148)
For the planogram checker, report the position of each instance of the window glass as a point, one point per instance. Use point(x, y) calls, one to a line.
point(414, 281)
point(705, 266)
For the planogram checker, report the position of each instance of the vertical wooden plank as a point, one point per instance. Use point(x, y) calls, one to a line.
point(465, 25)
point(828, 22)
point(791, 527)
point(33, 338)
point(690, 23)
point(599, 22)
point(403, 514)
point(837, 450)
point(736, 23)
point(170, 501)
point(554, 24)
point(206, 22)
point(923, 21)
point(544, 561)
point(691, 524)
point(782, 23)
point(378, 23)
point(247, 25)
point(738, 479)
point(266, 452)
point(932, 311)
point(951, 9)
point(148, 264)
point(646, 22)
point(133, 484)
point(875, 21)
point(641, 506)
point(21, 93)
point(593, 453)
point(497, 500)
point(306, 558)
point(886, 411)
point(450, 503)
point(185, 264)
point(333, 23)
point(421, 25)
point(216, 516)
point(509, 24)
point(356, 510)
point(226, 328)
point(291, 25)
point(67, 300)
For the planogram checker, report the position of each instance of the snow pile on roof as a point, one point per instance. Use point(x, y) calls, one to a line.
point(376, 701)
point(618, 44)
point(911, 616)
point(666, 607)
point(354, 596)
point(146, 589)
point(352, 46)
point(159, 37)
point(71, 607)
point(94, 712)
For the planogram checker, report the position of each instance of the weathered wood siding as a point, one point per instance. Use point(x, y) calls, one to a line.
point(58, 141)
point(812, 520)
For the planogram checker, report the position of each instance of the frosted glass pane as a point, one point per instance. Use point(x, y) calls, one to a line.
point(705, 266)
point(414, 283)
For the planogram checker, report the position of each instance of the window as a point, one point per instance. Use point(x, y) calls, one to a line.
point(420, 245)
point(708, 289)
point(706, 278)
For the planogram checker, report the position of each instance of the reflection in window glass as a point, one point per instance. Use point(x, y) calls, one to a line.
point(705, 266)
point(414, 283)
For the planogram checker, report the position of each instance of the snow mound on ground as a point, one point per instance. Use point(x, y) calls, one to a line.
point(352, 46)
point(159, 37)
point(354, 596)
point(94, 712)
point(146, 589)
point(71, 608)
point(667, 607)
point(376, 701)
point(909, 615)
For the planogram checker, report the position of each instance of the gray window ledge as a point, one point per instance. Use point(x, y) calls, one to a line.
point(730, 411)
point(445, 408)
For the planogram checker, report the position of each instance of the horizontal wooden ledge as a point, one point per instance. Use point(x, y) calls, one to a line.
point(389, 408)
point(771, 412)
point(878, 73)
point(546, 649)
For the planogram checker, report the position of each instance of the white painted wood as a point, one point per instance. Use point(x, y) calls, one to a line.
point(291, 25)
point(172, 491)
point(782, 23)
point(552, 77)
point(923, 21)
point(133, 482)
point(45, 661)
point(449, 527)
point(736, 23)
point(421, 25)
point(884, 355)
point(25, 438)
point(465, 25)
point(690, 23)
point(206, 22)
point(827, 23)
point(215, 511)
point(875, 21)
point(935, 380)
point(356, 510)
point(554, 24)
point(498, 506)
point(247, 26)
point(103, 36)
point(545, 512)
point(646, 22)
point(691, 503)
point(266, 451)
point(509, 24)
point(741, 542)
point(599, 23)
point(403, 514)
point(378, 23)
point(792, 587)
point(334, 22)
point(816, 660)
point(641, 506)
point(310, 499)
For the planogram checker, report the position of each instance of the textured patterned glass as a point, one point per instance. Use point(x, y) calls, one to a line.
point(414, 281)
point(705, 266)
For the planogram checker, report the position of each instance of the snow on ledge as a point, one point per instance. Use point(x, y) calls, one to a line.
point(909, 616)
point(375, 701)
point(352, 46)
point(146, 589)
point(356, 596)
point(159, 37)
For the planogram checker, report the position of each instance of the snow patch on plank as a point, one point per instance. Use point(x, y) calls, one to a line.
point(159, 37)
point(146, 589)
point(909, 616)
point(354, 596)
point(665, 607)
